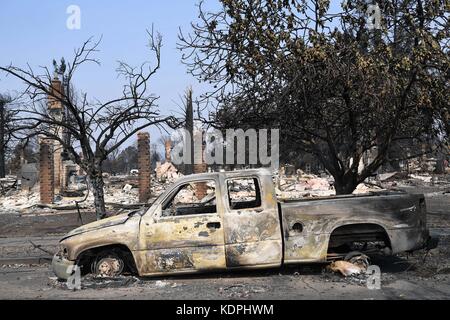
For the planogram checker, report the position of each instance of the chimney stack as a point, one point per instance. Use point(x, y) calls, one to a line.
point(56, 90)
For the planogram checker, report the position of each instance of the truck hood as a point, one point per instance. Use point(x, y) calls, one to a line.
point(108, 222)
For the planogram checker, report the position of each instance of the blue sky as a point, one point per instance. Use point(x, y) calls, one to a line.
point(35, 32)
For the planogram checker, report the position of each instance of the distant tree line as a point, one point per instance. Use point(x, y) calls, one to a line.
point(127, 160)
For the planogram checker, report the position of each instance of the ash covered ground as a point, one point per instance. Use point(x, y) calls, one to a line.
point(30, 233)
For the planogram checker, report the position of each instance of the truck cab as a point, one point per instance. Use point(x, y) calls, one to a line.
point(202, 223)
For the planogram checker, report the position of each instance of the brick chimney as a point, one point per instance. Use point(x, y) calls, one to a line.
point(144, 166)
point(55, 108)
point(46, 182)
point(56, 89)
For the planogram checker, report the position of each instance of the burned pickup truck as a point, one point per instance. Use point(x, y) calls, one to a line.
point(233, 220)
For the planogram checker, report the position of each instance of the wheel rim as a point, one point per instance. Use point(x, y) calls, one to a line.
point(109, 267)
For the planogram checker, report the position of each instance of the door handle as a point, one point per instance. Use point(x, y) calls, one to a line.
point(213, 225)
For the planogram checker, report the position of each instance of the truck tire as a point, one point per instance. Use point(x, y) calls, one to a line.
point(358, 258)
point(107, 264)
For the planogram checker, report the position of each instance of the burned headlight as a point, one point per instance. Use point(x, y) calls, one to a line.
point(62, 252)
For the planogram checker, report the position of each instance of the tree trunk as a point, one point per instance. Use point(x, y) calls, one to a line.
point(99, 195)
point(440, 167)
point(2, 163)
point(189, 167)
point(2, 140)
point(345, 185)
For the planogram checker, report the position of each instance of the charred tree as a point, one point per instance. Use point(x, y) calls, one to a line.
point(335, 88)
point(7, 128)
point(2, 137)
point(189, 126)
point(95, 128)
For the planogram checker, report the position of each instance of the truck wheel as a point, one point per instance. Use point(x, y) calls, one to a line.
point(358, 258)
point(107, 264)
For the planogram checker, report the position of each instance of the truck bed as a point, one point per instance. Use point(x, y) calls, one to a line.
point(312, 226)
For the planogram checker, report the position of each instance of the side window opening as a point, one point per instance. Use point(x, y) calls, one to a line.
point(244, 193)
point(192, 198)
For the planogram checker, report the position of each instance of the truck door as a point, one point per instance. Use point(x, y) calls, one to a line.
point(188, 235)
point(252, 227)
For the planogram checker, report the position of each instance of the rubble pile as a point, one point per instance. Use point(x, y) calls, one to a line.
point(303, 185)
point(119, 190)
point(241, 189)
point(16, 200)
point(420, 165)
point(123, 189)
point(395, 180)
point(367, 188)
point(166, 172)
point(8, 185)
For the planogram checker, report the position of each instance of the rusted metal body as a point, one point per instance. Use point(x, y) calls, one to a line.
point(268, 235)
point(402, 217)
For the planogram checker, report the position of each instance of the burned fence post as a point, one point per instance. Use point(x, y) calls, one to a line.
point(144, 166)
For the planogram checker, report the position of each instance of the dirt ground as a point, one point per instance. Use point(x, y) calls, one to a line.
point(402, 277)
